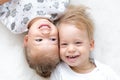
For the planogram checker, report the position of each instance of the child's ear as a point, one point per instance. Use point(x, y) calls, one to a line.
point(91, 45)
point(25, 40)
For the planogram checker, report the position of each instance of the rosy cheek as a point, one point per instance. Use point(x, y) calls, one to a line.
point(62, 52)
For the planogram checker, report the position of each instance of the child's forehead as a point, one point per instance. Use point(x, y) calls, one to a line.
point(79, 25)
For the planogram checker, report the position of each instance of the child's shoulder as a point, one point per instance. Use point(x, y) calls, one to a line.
point(104, 67)
point(100, 64)
point(106, 70)
point(61, 65)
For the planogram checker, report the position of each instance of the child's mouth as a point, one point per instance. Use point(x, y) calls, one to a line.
point(44, 26)
point(72, 58)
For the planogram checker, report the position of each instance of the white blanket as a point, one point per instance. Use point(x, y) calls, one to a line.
point(13, 64)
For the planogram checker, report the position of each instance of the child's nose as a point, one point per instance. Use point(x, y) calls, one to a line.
point(71, 49)
point(45, 32)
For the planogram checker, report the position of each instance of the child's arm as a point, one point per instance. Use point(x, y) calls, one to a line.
point(3, 1)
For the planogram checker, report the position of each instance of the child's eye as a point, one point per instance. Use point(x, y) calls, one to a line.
point(63, 44)
point(53, 39)
point(78, 42)
point(38, 40)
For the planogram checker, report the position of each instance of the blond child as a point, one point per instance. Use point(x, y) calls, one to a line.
point(76, 44)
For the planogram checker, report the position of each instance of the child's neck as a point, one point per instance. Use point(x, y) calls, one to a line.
point(84, 70)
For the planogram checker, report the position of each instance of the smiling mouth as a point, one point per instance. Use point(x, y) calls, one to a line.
point(44, 26)
point(72, 57)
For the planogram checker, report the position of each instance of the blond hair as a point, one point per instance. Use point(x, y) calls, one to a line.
point(44, 66)
point(78, 16)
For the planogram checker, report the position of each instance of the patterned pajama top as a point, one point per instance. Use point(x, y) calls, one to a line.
point(16, 14)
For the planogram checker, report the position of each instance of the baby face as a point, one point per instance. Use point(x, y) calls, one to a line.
point(42, 44)
point(75, 46)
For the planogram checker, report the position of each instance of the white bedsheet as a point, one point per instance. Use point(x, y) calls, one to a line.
point(13, 65)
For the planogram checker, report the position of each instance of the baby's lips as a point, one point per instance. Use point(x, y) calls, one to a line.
point(45, 27)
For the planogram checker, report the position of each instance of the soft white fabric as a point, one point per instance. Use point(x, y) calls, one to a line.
point(16, 14)
point(101, 72)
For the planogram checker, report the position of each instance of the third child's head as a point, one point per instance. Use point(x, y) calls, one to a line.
point(41, 44)
point(76, 37)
